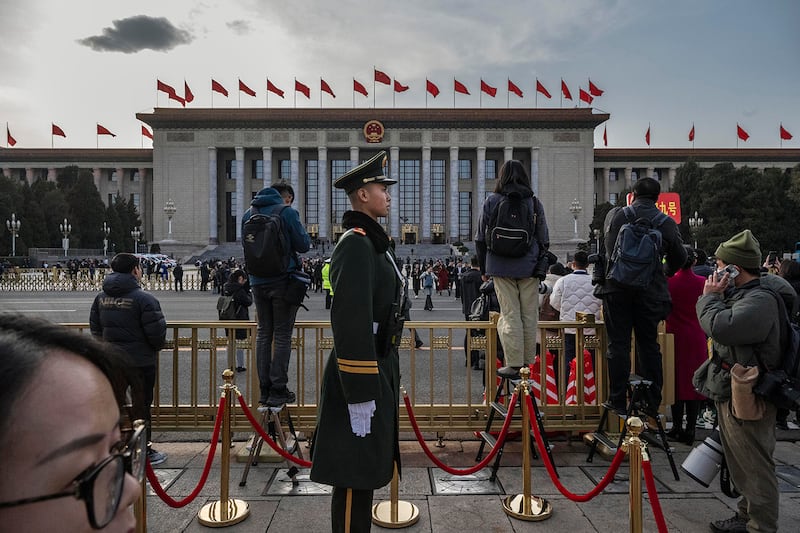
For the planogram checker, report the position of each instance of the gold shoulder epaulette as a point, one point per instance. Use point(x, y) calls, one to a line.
point(360, 231)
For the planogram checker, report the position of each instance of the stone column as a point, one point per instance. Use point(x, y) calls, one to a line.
point(213, 230)
point(294, 155)
point(7, 172)
point(649, 172)
point(353, 156)
point(96, 173)
point(394, 191)
point(29, 176)
point(628, 177)
point(535, 169)
point(266, 156)
point(425, 205)
point(323, 193)
point(238, 175)
point(52, 175)
point(121, 188)
point(453, 194)
point(672, 174)
point(480, 186)
point(508, 153)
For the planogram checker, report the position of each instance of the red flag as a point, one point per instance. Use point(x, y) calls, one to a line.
point(743, 135)
point(271, 88)
point(605, 136)
point(216, 86)
point(245, 89)
point(147, 133)
point(594, 90)
point(488, 89)
point(399, 87)
point(540, 89)
point(584, 96)
point(431, 88)
point(9, 139)
point(323, 86)
point(565, 90)
point(459, 87)
point(101, 130)
point(58, 131)
point(382, 77)
point(691, 134)
point(647, 136)
point(512, 88)
point(357, 87)
point(188, 96)
point(164, 88)
point(785, 135)
point(303, 88)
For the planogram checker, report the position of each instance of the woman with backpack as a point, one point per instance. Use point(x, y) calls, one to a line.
point(238, 288)
point(427, 279)
point(512, 214)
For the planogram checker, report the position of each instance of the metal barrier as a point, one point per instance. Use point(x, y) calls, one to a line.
point(60, 279)
point(447, 394)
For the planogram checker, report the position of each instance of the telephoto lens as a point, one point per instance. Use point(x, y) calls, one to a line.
point(705, 460)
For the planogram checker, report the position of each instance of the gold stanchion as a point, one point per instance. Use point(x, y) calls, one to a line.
point(226, 511)
point(140, 509)
point(395, 513)
point(634, 446)
point(526, 506)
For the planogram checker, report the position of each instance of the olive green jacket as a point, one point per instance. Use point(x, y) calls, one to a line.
point(365, 284)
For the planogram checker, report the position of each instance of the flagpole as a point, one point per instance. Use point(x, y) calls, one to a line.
point(536, 94)
point(373, 87)
point(96, 136)
point(354, 93)
point(295, 92)
point(508, 94)
point(480, 95)
point(426, 93)
point(394, 93)
point(51, 135)
point(454, 92)
point(779, 134)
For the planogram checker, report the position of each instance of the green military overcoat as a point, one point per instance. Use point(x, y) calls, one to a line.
point(365, 284)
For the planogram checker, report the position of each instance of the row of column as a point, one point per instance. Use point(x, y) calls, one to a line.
point(324, 201)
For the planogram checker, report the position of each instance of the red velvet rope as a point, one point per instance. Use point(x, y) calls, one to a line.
point(651, 491)
point(272, 444)
point(151, 476)
point(618, 458)
point(457, 471)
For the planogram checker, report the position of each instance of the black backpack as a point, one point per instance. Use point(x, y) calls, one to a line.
point(512, 226)
point(637, 252)
point(226, 308)
point(266, 248)
point(781, 385)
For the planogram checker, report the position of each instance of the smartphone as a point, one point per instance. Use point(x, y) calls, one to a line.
point(772, 258)
point(730, 270)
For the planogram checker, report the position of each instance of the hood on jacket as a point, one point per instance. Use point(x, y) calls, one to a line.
point(267, 197)
point(119, 284)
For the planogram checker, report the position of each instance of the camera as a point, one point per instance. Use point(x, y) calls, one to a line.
point(705, 461)
point(777, 387)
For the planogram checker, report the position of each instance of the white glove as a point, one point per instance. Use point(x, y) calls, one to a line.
point(360, 417)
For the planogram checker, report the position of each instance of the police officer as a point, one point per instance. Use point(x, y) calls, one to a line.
point(356, 442)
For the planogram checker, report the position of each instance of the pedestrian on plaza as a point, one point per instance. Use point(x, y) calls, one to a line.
point(790, 271)
point(356, 448)
point(204, 276)
point(442, 280)
point(627, 310)
point(415, 284)
point(428, 281)
point(326, 282)
point(515, 278)
point(131, 319)
point(77, 447)
point(177, 274)
point(275, 313)
point(471, 281)
point(238, 287)
point(743, 320)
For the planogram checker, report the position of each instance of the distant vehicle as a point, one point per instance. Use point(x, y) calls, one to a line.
point(158, 258)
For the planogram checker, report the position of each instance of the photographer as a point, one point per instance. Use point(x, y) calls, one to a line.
point(743, 320)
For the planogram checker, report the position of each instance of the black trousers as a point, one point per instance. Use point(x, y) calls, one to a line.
point(633, 311)
point(351, 510)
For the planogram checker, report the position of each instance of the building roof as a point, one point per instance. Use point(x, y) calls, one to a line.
point(313, 118)
point(77, 155)
point(714, 155)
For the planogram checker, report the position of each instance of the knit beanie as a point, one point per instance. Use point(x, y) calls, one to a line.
point(741, 250)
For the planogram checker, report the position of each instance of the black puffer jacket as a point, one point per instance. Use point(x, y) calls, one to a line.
point(130, 318)
point(243, 299)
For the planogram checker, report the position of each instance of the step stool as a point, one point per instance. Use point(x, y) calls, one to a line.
point(271, 421)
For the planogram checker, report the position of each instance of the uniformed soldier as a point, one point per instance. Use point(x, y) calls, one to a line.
point(356, 442)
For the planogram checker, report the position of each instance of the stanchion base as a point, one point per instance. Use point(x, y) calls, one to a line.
point(210, 514)
point(540, 508)
point(407, 514)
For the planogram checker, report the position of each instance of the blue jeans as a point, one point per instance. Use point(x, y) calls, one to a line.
point(275, 323)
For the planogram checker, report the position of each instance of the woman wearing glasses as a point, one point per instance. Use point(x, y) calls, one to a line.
point(70, 459)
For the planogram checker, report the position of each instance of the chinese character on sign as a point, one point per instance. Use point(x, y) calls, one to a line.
point(668, 202)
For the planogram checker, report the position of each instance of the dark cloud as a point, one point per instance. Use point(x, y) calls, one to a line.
point(239, 26)
point(134, 34)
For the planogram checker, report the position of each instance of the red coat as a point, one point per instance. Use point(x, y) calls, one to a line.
point(685, 287)
point(443, 280)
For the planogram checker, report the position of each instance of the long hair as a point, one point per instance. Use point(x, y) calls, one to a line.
point(512, 172)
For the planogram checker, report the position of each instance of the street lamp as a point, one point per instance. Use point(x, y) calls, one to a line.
point(136, 233)
point(169, 210)
point(13, 226)
point(597, 240)
point(106, 230)
point(575, 208)
point(66, 229)
point(694, 224)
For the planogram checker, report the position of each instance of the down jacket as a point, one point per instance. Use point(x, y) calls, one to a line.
point(574, 293)
point(130, 318)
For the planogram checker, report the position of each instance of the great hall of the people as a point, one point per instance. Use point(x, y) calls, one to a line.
point(210, 162)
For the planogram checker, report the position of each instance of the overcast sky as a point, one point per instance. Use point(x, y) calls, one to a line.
point(713, 63)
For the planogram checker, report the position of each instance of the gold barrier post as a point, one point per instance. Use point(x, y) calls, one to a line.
point(633, 446)
point(395, 513)
point(140, 509)
point(526, 506)
point(226, 511)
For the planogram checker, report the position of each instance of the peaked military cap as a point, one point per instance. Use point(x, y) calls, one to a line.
point(371, 171)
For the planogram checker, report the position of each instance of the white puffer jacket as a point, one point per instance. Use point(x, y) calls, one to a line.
point(574, 293)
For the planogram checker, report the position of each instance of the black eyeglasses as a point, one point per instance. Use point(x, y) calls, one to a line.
point(101, 485)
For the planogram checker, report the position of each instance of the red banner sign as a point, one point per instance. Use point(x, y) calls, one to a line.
point(668, 202)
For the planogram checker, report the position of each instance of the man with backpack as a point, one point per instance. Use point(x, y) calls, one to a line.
point(740, 311)
point(276, 242)
point(634, 289)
